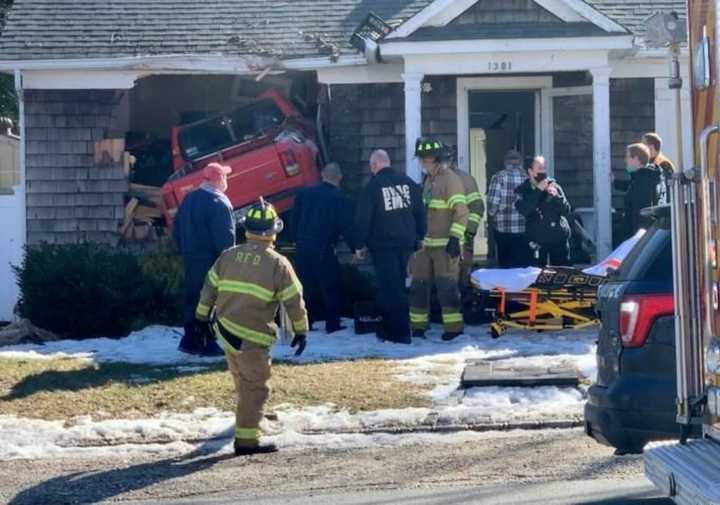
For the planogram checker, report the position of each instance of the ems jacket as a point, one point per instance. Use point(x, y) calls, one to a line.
point(545, 215)
point(474, 201)
point(666, 170)
point(246, 286)
point(641, 191)
point(204, 226)
point(447, 212)
point(390, 213)
point(321, 215)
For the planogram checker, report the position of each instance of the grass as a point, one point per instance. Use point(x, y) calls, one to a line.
point(64, 388)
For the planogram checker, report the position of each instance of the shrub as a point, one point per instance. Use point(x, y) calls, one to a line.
point(89, 289)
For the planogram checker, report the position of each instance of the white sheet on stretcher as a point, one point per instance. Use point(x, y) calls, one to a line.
point(517, 279)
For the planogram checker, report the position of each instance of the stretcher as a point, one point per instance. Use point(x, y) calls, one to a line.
point(551, 298)
point(560, 298)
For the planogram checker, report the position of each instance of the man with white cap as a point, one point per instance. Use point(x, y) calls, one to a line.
point(204, 227)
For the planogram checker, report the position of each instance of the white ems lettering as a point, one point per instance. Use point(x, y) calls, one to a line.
point(397, 197)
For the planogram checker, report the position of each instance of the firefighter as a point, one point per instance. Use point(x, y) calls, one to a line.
point(438, 262)
point(476, 207)
point(245, 287)
point(204, 227)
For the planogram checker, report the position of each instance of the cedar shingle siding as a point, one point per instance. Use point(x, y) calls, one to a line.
point(68, 199)
point(505, 11)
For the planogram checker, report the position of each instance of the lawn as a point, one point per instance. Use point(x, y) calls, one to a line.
point(64, 388)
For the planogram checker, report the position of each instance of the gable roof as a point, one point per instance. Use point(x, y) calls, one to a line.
point(286, 29)
point(67, 29)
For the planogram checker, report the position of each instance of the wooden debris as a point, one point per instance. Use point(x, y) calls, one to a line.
point(109, 152)
point(24, 331)
point(148, 195)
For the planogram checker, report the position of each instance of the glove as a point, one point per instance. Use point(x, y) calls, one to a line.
point(300, 341)
point(469, 237)
point(453, 247)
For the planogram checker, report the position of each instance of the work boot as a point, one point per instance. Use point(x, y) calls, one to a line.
point(243, 449)
point(418, 333)
point(451, 335)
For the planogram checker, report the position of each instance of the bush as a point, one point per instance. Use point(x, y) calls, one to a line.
point(88, 289)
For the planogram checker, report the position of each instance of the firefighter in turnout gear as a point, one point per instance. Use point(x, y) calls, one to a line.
point(242, 294)
point(438, 262)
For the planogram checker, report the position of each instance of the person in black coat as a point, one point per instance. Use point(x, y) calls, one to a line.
point(542, 202)
point(642, 190)
point(391, 223)
point(203, 228)
point(321, 215)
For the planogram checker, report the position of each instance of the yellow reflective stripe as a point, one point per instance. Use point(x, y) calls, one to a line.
point(457, 229)
point(435, 242)
point(246, 288)
point(213, 278)
point(453, 317)
point(473, 197)
point(456, 200)
point(438, 204)
point(474, 218)
point(256, 337)
point(300, 326)
point(418, 318)
point(202, 310)
point(289, 292)
point(247, 433)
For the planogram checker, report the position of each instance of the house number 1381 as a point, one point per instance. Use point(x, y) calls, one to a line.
point(499, 66)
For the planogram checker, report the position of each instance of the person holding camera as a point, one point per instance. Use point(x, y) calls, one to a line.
point(542, 202)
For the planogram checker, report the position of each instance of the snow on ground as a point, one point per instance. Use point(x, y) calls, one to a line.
point(427, 361)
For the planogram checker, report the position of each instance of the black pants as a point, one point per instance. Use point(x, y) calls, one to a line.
point(196, 270)
point(319, 273)
point(554, 255)
point(392, 293)
point(513, 250)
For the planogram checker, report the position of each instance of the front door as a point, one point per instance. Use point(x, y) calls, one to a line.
point(499, 121)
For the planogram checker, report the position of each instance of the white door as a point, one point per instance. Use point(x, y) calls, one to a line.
point(12, 230)
point(478, 169)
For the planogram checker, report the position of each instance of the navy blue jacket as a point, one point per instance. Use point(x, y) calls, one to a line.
point(321, 215)
point(390, 213)
point(204, 226)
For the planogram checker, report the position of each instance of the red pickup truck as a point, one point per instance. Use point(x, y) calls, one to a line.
point(268, 145)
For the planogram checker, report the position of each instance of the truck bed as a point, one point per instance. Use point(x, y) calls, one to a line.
point(689, 474)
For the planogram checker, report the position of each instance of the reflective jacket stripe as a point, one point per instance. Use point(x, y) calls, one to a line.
point(246, 288)
point(256, 337)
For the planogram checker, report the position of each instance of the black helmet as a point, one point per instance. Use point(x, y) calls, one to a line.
point(427, 147)
point(262, 219)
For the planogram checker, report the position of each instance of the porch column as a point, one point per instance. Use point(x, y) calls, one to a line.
point(602, 187)
point(413, 122)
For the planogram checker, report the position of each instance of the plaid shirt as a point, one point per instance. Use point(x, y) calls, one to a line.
point(501, 200)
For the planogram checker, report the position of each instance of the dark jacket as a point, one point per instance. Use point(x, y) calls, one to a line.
point(390, 213)
point(545, 215)
point(321, 215)
point(641, 191)
point(204, 226)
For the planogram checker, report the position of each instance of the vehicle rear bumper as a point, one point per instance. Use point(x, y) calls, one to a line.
point(615, 416)
point(690, 473)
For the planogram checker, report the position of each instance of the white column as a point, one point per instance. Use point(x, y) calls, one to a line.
point(602, 187)
point(413, 121)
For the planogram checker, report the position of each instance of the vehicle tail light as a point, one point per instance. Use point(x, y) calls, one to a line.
point(290, 163)
point(637, 315)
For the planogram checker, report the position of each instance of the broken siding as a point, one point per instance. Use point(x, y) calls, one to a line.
point(68, 198)
point(505, 11)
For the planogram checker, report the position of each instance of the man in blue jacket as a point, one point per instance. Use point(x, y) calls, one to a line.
point(204, 227)
point(391, 224)
point(322, 214)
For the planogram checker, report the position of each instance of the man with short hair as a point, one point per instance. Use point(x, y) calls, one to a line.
point(641, 190)
point(390, 223)
point(666, 167)
point(505, 220)
point(203, 228)
point(438, 262)
point(322, 214)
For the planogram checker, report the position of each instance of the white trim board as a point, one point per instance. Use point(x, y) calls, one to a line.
point(442, 12)
point(466, 84)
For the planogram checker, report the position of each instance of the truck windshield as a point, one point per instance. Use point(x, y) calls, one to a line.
point(220, 132)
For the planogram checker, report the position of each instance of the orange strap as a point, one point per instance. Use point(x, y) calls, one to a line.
point(501, 303)
point(533, 306)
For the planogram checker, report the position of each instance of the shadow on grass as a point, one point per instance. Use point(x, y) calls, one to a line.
point(93, 376)
point(94, 487)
